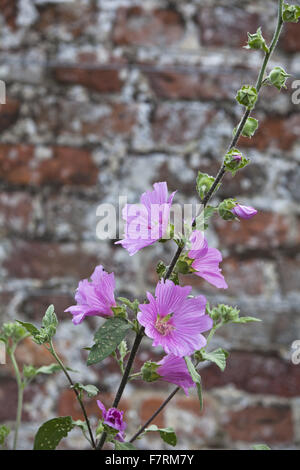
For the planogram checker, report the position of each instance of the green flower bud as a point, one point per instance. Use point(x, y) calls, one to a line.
point(203, 183)
point(250, 127)
point(29, 371)
point(291, 13)
point(224, 313)
point(256, 41)
point(247, 96)
point(13, 331)
point(149, 371)
point(278, 77)
point(225, 208)
point(234, 161)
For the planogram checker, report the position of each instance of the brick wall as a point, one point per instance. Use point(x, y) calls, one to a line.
point(104, 98)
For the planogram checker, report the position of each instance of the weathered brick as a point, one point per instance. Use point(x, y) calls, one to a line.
point(219, 85)
point(100, 79)
point(291, 38)
point(42, 260)
point(136, 26)
point(16, 213)
point(275, 132)
point(36, 304)
point(289, 272)
point(269, 424)
point(65, 165)
point(9, 113)
point(148, 407)
point(264, 231)
point(255, 373)
point(226, 26)
point(9, 9)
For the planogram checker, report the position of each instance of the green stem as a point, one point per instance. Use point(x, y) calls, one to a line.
point(20, 396)
point(56, 357)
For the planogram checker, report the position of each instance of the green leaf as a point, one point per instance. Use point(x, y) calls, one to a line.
point(218, 357)
point(167, 434)
point(246, 320)
point(261, 447)
point(48, 369)
point(33, 330)
point(107, 339)
point(50, 318)
point(4, 432)
point(91, 390)
point(195, 378)
point(51, 433)
point(124, 446)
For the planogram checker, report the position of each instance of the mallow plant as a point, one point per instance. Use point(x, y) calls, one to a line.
point(177, 322)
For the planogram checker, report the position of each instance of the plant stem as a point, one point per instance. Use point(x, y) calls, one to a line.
point(20, 396)
point(218, 178)
point(155, 414)
point(136, 344)
point(56, 357)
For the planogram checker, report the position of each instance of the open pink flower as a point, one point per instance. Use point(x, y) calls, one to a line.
point(244, 212)
point(206, 260)
point(95, 297)
point(174, 321)
point(113, 418)
point(173, 369)
point(148, 221)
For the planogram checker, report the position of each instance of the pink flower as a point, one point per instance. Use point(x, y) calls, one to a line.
point(244, 212)
point(147, 222)
point(173, 369)
point(113, 418)
point(95, 298)
point(174, 321)
point(206, 260)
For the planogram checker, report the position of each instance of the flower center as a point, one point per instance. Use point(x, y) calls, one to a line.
point(162, 324)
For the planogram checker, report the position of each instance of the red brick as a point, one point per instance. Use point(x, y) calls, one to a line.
point(100, 79)
point(148, 408)
point(16, 211)
point(276, 132)
point(255, 373)
point(226, 26)
point(264, 231)
point(9, 9)
point(195, 86)
point(268, 424)
point(67, 166)
point(74, 19)
point(9, 113)
point(136, 26)
point(291, 37)
point(42, 260)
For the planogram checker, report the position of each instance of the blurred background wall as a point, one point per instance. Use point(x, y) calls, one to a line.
point(103, 99)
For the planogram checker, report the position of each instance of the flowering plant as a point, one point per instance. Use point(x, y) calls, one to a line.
point(180, 324)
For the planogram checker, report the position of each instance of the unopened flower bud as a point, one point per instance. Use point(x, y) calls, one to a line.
point(234, 161)
point(278, 77)
point(247, 96)
point(291, 13)
point(244, 212)
point(204, 183)
point(225, 209)
point(256, 41)
point(149, 371)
